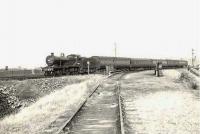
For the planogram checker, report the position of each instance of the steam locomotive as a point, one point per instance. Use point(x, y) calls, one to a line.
point(75, 64)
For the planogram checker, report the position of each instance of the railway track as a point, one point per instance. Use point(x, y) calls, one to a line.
point(101, 112)
point(33, 76)
point(195, 72)
point(39, 76)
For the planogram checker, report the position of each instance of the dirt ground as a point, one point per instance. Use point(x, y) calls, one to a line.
point(161, 105)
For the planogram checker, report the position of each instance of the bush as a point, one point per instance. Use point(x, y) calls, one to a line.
point(26, 91)
point(189, 80)
point(4, 105)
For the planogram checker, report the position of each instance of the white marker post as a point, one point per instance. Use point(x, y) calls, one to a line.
point(88, 63)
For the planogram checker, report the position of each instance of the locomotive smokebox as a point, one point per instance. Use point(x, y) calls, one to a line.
point(50, 60)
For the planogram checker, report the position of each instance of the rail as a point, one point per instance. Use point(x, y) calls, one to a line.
point(57, 126)
point(194, 71)
point(73, 115)
point(122, 130)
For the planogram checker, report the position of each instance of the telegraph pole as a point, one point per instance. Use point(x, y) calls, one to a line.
point(115, 45)
point(88, 63)
point(193, 57)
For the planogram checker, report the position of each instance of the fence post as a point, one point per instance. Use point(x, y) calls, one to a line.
point(158, 69)
point(88, 63)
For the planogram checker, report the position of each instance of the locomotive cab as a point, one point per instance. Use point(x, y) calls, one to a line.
point(73, 60)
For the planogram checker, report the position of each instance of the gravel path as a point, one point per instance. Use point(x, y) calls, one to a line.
point(163, 105)
point(100, 114)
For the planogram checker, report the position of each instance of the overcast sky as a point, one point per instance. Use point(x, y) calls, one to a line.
point(32, 29)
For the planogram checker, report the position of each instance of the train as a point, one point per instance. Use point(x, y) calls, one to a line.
point(75, 64)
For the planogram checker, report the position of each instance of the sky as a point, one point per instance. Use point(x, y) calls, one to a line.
point(32, 29)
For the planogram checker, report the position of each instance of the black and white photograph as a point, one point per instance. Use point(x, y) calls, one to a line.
point(99, 67)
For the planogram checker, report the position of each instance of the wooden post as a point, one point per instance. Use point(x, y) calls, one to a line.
point(6, 68)
point(158, 69)
point(88, 63)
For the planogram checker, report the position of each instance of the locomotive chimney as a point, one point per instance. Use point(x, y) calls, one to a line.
point(62, 55)
point(52, 54)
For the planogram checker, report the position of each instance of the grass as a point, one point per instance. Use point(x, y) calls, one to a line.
point(36, 117)
point(192, 81)
point(23, 93)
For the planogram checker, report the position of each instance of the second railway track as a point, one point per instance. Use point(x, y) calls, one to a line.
point(101, 113)
point(22, 77)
